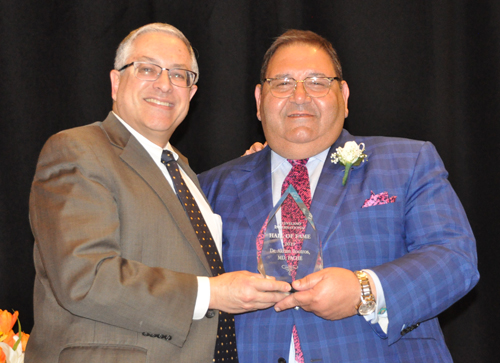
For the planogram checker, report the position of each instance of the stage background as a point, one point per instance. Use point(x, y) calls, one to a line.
point(424, 69)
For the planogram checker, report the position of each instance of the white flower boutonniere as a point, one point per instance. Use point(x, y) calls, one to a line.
point(349, 155)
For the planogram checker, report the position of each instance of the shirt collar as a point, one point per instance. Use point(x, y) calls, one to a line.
point(277, 160)
point(154, 150)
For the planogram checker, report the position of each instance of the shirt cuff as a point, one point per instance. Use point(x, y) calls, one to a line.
point(380, 314)
point(202, 299)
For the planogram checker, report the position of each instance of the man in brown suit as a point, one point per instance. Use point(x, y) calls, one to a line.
point(121, 276)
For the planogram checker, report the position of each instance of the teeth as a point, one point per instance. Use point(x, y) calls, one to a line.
point(152, 100)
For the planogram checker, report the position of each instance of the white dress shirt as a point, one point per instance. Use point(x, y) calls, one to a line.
point(214, 221)
point(280, 168)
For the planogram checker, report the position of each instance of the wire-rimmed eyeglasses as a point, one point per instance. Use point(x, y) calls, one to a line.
point(151, 72)
point(315, 86)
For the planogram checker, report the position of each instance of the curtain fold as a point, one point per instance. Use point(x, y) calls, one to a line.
point(425, 70)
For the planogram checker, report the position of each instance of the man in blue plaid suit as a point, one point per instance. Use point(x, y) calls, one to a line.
point(397, 246)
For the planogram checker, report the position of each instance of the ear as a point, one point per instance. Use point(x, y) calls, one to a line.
point(192, 91)
point(115, 83)
point(258, 95)
point(345, 96)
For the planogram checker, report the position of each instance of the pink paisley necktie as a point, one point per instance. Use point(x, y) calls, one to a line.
point(290, 216)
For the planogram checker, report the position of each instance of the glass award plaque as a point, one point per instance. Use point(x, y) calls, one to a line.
point(291, 250)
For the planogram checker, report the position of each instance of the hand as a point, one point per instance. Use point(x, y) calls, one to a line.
point(331, 293)
point(242, 291)
point(255, 148)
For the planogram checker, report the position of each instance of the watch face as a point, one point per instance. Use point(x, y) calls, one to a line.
point(367, 307)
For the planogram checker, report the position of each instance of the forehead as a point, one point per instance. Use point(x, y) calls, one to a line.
point(160, 47)
point(300, 60)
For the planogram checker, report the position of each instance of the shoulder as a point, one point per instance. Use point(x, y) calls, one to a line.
point(394, 160)
point(100, 135)
point(78, 136)
point(399, 150)
point(245, 164)
point(383, 144)
point(79, 147)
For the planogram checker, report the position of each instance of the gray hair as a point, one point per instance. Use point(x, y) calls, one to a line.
point(125, 47)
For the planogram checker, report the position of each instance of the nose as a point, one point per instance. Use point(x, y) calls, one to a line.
point(300, 94)
point(163, 82)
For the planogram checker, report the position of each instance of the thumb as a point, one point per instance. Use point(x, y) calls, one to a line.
point(304, 283)
point(309, 281)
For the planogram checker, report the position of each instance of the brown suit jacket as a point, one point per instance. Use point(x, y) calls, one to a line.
point(116, 257)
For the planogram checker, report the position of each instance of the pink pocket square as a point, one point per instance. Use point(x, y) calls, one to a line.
point(378, 199)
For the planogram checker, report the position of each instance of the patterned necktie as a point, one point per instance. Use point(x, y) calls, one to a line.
point(291, 215)
point(225, 348)
point(290, 211)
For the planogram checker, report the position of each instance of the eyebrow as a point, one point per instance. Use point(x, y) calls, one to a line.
point(288, 75)
point(155, 61)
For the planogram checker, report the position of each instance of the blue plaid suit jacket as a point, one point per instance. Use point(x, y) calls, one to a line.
point(421, 247)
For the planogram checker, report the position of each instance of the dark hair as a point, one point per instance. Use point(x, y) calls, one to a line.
point(294, 36)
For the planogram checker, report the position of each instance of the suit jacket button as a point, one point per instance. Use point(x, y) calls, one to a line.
point(281, 360)
point(210, 314)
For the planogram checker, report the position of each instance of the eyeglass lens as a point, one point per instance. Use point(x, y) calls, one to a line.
point(315, 86)
point(151, 72)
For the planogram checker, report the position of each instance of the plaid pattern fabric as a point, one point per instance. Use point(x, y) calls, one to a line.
point(421, 247)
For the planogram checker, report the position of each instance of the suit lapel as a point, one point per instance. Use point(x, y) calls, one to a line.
point(330, 193)
point(137, 158)
point(253, 181)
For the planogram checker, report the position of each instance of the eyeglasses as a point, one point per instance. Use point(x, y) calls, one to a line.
point(151, 72)
point(315, 86)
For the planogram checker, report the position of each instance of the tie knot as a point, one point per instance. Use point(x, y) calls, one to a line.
point(167, 156)
point(298, 162)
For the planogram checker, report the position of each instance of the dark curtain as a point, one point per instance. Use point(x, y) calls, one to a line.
point(426, 69)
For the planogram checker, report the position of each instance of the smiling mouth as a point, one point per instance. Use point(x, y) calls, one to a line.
point(157, 102)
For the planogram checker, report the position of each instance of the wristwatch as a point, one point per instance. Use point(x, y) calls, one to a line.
point(368, 303)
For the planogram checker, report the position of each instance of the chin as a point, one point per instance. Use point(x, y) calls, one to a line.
point(302, 138)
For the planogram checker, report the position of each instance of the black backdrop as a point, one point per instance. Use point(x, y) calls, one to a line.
point(426, 69)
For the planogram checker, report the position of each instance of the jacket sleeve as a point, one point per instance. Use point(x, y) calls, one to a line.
point(441, 264)
point(77, 224)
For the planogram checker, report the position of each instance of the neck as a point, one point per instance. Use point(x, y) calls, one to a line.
point(297, 151)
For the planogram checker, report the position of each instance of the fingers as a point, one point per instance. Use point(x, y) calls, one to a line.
point(289, 302)
point(264, 292)
point(242, 291)
point(270, 284)
point(257, 146)
point(331, 294)
point(309, 281)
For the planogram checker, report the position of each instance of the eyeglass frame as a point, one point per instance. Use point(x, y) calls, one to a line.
point(161, 71)
point(330, 79)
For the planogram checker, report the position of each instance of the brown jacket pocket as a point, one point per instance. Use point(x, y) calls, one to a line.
point(103, 354)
